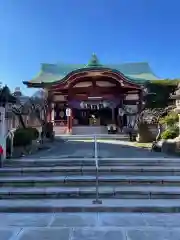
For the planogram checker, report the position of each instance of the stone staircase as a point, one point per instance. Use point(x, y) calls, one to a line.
point(68, 185)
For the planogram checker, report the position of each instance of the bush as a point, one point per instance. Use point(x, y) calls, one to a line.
point(24, 136)
point(33, 132)
point(170, 120)
point(170, 133)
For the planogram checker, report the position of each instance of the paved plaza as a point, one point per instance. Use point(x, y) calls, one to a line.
point(106, 149)
point(89, 226)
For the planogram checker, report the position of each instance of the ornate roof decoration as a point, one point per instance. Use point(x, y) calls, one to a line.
point(93, 62)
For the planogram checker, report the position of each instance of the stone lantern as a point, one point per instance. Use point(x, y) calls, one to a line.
point(176, 97)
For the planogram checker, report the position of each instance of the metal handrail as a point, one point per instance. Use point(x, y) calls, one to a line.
point(97, 200)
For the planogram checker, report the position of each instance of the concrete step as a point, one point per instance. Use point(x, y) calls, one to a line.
point(89, 180)
point(128, 192)
point(46, 162)
point(86, 205)
point(91, 170)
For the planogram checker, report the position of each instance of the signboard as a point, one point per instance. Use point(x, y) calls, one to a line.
point(96, 105)
point(68, 112)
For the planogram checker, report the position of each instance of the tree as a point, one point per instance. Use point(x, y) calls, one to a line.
point(40, 106)
point(22, 108)
point(18, 111)
point(151, 117)
point(162, 90)
point(6, 96)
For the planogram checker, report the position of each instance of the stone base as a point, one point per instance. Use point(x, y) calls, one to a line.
point(171, 146)
point(144, 138)
point(157, 146)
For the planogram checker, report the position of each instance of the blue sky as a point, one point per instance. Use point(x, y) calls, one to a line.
point(118, 31)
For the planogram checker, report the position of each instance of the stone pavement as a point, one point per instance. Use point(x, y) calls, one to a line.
point(85, 148)
point(89, 226)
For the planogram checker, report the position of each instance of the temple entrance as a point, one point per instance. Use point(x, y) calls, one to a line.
point(93, 113)
point(92, 117)
point(95, 101)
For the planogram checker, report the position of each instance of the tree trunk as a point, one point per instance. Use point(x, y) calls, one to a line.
point(21, 120)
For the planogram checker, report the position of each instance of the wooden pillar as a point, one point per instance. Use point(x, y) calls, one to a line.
point(49, 113)
point(69, 120)
point(52, 113)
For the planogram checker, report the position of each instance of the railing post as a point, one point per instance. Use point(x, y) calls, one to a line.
point(95, 150)
point(97, 200)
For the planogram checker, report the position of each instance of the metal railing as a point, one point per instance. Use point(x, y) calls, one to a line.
point(95, 158)
point(97, 200)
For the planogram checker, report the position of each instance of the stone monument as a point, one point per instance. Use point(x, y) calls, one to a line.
point(173, 145)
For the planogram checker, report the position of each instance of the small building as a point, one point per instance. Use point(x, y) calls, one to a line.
point(107, 93)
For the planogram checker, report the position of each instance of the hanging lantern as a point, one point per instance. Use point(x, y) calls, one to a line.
point(82, 105)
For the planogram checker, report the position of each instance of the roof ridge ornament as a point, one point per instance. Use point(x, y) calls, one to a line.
point(94, 61)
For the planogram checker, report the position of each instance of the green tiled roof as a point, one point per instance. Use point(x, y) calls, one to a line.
point(137, 72)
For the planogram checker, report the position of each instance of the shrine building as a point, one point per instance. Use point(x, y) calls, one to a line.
point(107, 93)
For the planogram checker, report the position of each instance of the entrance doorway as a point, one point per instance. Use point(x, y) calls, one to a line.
point(96, 117)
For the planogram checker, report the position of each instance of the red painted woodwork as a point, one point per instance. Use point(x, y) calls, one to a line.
point(82, 76)
point(122, 87)
point(49, 114)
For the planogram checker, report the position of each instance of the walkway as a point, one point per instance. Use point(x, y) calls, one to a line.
point(106, 148)
point(90, 226)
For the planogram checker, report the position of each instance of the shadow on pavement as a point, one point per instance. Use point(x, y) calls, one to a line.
point(85, 149)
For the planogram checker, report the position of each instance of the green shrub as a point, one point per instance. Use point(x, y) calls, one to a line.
point(22, 137)
point(33, 132)
point(170, 120)
point(170, 133)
